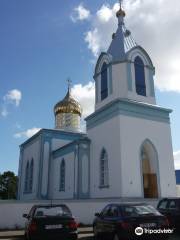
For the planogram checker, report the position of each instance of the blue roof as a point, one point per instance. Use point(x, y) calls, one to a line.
point(178, 177)
point(122, 43)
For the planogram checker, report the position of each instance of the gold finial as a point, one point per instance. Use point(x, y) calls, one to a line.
point(121, 12)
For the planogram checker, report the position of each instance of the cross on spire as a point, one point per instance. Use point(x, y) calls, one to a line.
point(120, 2)
point(69, 82)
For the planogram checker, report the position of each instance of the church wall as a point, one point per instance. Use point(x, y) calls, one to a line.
point(58, 143)
point(69, 177)
point(134, 132)
point(29, 151)
point(105, 135)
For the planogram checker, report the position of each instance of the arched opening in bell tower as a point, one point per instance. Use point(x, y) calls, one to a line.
point(150, 170)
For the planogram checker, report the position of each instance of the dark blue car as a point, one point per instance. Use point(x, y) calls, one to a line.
point(129, 221)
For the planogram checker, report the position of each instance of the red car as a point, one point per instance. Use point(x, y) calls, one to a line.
point(50, 222)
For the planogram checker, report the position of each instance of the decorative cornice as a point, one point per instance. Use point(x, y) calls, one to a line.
point(128, 108)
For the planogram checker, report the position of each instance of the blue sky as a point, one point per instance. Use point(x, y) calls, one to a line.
point(44, 42)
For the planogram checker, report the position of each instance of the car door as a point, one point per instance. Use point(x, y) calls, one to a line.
point(173, 213)
point(110, 221)
point(100, 221)
point(163, 207)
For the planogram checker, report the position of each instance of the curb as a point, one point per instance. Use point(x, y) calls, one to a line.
point(22, 236)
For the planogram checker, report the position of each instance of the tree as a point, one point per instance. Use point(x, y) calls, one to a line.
point(8, 185)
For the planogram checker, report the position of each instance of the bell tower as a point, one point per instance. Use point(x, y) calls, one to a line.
point(125, 71)
point(131, 146)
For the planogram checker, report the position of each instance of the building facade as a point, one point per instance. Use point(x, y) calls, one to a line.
point(127, 149)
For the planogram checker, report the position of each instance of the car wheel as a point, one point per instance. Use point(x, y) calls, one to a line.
point(96, 235)
point(25, 237)
point(116, 237)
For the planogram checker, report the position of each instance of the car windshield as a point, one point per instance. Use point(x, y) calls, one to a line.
point(140, 210)
point(52, 211)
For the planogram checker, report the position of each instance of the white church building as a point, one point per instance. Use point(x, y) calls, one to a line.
point(127, 149)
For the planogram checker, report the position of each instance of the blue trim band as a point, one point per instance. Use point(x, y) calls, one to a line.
point(128, 108)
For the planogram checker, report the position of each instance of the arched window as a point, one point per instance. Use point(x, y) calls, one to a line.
point(104, 82)
point(140, 76)
point(62, 176)
point(31, 175)
point(104, 175)
point(26, 184)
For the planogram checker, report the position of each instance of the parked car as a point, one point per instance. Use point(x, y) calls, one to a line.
point(119, 221)
point(50, 222)
point(170, 207)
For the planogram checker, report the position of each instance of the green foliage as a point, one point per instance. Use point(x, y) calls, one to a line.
point(8, 185)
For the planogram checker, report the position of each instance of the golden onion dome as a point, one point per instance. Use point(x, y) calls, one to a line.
point(68, 105)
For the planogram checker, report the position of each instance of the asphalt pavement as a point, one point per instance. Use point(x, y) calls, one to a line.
point(90, 237)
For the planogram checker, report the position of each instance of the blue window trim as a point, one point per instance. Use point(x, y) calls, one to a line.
point(26, 183)
point(62, 176)
point(31, 170)
point(104, 82)
point(139, 76)
point(104, 171)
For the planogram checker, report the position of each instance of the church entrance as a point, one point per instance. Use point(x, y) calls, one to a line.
point(150, 170)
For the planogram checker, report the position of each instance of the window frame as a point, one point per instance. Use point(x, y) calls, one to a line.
point(31, 175)
point(26, 180)
point(104, 169)
point(140, 78)
point(166, 206)
point(104, 81)
point(62, 181)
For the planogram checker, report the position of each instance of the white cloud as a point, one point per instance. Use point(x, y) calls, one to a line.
point(13, 96)
point(93, 39)
point(85, 95)
point(104, 14)
point(177, 159)
point(80, 13)
point(4, 112)
point(154, 25)
point(27, 134)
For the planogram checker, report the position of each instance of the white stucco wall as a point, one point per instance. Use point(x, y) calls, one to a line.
point(134, 131)
point(105, 135)
point(31, 151)
point(69, 177)
point(58, 143)
point(83, 210)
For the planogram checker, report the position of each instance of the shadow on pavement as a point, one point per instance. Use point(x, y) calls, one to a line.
point(87, 238)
